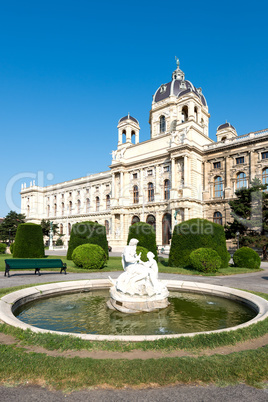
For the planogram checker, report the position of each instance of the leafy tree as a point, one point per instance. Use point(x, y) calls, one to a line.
point(9, 226)
point(249, 210)
point(29, 241)
point(45, 225)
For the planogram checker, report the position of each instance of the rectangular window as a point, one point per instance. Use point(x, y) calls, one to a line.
point(240, 160)
point(264, 155)
point(135, 175)
point(217, 165)
point(166, 168)
point(150, 172)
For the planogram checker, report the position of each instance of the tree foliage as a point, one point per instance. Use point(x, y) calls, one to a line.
point(29, 241)
point(87, 233)
point(9, 226)
point(45, 225)
point(249, 210)
point(193, 234)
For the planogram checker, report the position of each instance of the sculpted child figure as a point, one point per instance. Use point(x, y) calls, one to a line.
point(139, 277)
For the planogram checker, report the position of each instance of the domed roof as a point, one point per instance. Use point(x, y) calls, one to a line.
point(225, 125)
point(128, 117)
point(178, 87)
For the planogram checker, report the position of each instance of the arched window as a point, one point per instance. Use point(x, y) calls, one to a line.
point(223, 139)
point(62, 208)
point(78, 206)
point(70, 207)
point(28, 210)
point(217, 218)
point(48, 210)
point(55, 209)
point(166, 228)
point(241, 180)
point(218, 187)
point(196, 114)
point(107, 227)
point(124, 136)
point(135, 194)
point(108, 201)
point(265, 176)
point(61, 228)
point(150, 192)
point(162, 124)
point(151, 220)
point(69, 229)
point(97, 203)
point(135, 219)
point(167, 189)
point(133, 137)
point(87, 205)
point(184, 114)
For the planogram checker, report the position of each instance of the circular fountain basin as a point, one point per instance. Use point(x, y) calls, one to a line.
point(11, 302)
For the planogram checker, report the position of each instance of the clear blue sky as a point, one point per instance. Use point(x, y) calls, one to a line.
point(69, 70)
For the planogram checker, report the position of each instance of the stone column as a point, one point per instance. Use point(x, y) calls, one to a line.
point(185, 175)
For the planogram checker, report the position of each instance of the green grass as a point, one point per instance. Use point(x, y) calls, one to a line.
point(115, 264)
point(19, 367)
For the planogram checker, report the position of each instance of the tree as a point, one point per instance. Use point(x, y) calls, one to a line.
point(9, 226)
point(45, 225)
point(29, 241)
point(87, 233)
point(249, 210)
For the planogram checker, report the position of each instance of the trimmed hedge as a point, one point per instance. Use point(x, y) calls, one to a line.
point(245, 257)
point(145, 234)
point(205, 260)
point(143, 252)
point(89, 256)
point(87, 233)
point(3, 247)
point(193, 234)
point(29, 241)
point(12, 245)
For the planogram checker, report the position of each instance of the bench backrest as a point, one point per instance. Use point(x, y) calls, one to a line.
point(34, 263)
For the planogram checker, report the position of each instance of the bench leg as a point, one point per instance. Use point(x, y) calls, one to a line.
point(7, 273)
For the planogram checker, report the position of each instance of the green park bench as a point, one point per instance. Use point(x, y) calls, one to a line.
point(34, 263)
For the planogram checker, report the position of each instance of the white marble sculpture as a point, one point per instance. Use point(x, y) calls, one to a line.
point(138, 287)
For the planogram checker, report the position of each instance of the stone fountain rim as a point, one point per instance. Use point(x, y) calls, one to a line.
point(11, 301)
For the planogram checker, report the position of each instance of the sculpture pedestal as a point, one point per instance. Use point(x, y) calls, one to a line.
point(127, 303)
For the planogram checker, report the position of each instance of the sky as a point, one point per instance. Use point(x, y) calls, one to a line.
point(69, 70)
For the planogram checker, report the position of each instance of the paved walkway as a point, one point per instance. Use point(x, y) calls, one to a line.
point(256, 281)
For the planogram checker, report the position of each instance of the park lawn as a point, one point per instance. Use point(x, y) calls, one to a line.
point(115, 264)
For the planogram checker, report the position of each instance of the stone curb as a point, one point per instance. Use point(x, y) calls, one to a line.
point(11, 301)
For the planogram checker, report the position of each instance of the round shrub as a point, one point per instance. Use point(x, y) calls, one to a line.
point(205, 260)
point(245, 257)
point(143, 252)
point(3, 247)
point(193, 234)
point(145, 234)
point(29, 241)
point(89, 256)
point(87, 233)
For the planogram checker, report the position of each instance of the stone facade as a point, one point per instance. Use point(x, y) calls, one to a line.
point(178, 174)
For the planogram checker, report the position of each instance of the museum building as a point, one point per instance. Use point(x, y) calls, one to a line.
point(178, 174)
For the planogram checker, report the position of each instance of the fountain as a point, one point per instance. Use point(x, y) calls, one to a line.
point(137, 289)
